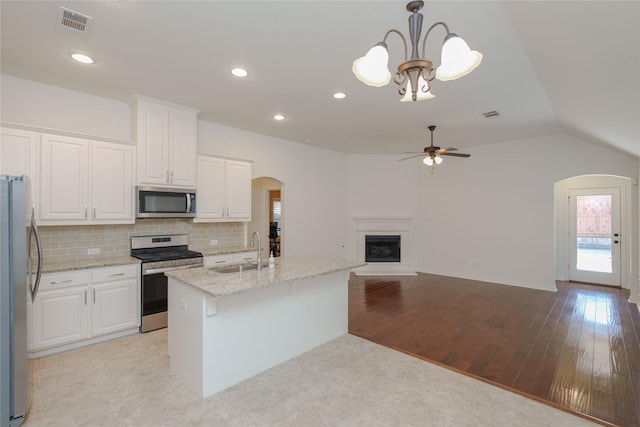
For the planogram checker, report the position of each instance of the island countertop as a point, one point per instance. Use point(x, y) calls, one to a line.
point(287, 269)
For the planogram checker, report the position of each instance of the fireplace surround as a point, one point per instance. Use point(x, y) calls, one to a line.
point(387, 250)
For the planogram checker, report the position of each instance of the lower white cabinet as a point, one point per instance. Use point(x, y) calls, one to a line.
point(72, 307)
point(114, 295)
point(60, 317)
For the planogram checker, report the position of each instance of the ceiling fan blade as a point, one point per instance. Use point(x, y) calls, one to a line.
point(456, 154)
point(414, 152)
point(443, 150)
point(417, 155)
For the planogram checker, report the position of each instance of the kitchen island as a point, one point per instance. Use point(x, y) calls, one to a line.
point(227, 327)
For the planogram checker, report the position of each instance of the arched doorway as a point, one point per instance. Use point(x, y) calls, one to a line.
point(593, 233)
point(267, 214)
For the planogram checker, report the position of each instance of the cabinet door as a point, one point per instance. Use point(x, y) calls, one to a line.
point(153, 145)
point(238, 191)
point(60, 317)
point(112, 182)
point(64, 176)
point(18, 156)
point(17, 152)
point(114, 306)
point(210, 202)
point(182, 149)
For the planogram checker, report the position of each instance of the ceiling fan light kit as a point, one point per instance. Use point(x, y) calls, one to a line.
point(432, 154)
point(416, 72)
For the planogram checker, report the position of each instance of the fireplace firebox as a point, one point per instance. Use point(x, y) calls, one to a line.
point(382, 248)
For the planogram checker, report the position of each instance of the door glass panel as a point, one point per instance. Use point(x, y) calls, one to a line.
point(593, 233)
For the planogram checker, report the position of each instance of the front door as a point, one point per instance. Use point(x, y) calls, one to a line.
point(594, 236)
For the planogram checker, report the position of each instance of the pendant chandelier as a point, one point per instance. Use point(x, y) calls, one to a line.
point(415, 74)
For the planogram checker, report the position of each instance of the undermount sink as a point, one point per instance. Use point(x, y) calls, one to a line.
point(237, 268)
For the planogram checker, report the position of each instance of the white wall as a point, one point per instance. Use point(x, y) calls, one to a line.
point(489, 217)
point(51, 107)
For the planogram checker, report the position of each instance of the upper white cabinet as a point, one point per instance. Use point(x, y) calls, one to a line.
point(224, 190)
point(18, 156)
point(84, 181)
point(166, 138)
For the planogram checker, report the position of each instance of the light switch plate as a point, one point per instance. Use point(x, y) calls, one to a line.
point(93, 251)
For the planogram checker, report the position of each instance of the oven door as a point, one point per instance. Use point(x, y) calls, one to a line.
point(154, 302)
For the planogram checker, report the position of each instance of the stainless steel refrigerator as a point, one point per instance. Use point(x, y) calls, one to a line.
point(15, 288)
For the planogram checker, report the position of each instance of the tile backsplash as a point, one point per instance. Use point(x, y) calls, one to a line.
point(70, 243)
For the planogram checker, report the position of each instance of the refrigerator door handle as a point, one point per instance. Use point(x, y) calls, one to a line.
point(34, 230)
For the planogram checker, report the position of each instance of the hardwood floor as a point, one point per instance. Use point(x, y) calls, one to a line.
point(577, 349)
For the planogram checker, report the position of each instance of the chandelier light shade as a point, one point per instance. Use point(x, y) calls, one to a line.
point(457, 59)
point(416, 72)
point(422, 93)
point(373, 68)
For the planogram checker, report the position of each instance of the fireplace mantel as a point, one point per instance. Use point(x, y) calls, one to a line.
point(384, 226)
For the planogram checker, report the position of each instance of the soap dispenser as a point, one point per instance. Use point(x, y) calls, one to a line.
point(272, 261)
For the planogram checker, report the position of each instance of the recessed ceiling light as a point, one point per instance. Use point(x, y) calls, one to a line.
point(82, 58)
point(339, 95)
point(239, 72)
point(279, 117)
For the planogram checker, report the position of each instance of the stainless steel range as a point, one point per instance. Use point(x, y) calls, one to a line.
point(160, 254)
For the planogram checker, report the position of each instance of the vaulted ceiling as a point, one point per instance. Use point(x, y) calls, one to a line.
point(548, 67)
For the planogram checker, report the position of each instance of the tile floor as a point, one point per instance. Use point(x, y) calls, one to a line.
point(346, 382)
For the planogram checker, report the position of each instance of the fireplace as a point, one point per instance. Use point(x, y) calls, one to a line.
point(382, 248)
point(383, 243)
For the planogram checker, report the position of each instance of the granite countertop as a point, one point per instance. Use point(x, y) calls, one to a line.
point(56, 267)
point(287, 269)
point(98, 261)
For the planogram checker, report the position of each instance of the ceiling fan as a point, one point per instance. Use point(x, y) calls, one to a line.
point(432, 153)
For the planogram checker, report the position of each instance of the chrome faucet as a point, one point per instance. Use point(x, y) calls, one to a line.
point(255, 233)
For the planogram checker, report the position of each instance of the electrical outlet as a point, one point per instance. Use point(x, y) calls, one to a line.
point(93, 251)
point(214, 242)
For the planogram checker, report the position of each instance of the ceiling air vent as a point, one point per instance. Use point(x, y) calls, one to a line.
point(490, 114)
point(73, 22)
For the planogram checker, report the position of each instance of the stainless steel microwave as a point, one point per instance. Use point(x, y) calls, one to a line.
point(161, 202)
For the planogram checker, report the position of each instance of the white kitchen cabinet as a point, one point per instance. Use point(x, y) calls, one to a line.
point(224, 190)
point(112, 182)
point(166, 140)
point(84, 181)
point(115, 302)
point(18, 156)
point(83, 306)
point(60, 312)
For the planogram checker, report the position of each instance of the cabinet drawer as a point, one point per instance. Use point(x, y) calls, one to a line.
point(241, 257)
point(218, 260)
point(120, 272)
point(51, 281)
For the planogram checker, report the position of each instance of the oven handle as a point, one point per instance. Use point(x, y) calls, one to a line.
point(165, 269)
